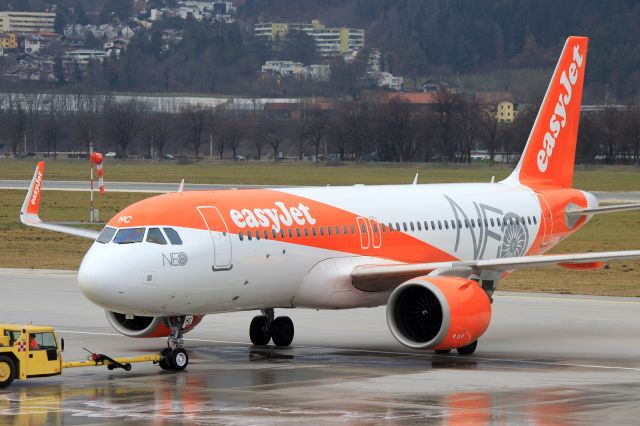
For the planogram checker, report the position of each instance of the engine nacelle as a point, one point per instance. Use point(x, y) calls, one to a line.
point(140, 326)
point(438, 312)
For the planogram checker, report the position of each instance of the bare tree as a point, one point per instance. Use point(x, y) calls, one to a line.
point(231, 135)
point(159, 129)
point(470, 125)
point(445, 100)
point(51, 133)
point(89, 111)
point(123, 121)
point(611, 122)
point(632, 132)
point(194, 120)
point(274, 136)
point(15, 123)
point(491, 129)
point(315, 130)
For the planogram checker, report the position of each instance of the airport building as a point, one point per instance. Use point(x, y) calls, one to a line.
point(26, 22)
point(329, 41)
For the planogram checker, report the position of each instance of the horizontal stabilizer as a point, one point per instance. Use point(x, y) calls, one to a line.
point(603, 209)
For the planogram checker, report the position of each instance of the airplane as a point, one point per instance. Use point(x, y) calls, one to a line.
point(433, 253)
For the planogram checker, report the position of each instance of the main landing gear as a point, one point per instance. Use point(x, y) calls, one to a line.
point(464, 350)
point(174, 356)
point(265, 327)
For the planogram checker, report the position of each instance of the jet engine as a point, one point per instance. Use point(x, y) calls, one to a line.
point(438, 313)
point(141, 326)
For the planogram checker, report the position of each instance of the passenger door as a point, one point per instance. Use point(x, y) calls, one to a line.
point(220, 237)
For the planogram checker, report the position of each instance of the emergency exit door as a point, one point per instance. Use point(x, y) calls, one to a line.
point(220, 237)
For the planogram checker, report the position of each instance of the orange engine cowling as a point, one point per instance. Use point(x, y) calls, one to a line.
point(438, 312)
point(141, 326)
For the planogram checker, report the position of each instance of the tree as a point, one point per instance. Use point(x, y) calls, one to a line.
point(58, 70)
point(159, 130)
point(193, 121)
point(274, 136)
point(470, 125)
point(611, 123)
point(299, 46)
point(15, 124)
point(86, 122)
point(315, 130)
point(491, 132)
point(231, 135)
point(51, 132)
point(632, 132)
point(445, 100)
point(123, 121)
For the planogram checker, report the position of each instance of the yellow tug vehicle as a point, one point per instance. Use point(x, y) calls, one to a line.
point(28, 351)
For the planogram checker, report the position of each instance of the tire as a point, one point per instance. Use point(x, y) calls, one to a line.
point(469, 349)
point(7, 371)
point(164, 359)
point(178, 359)
point(442, 351)
point(127, 367)
point(282, 331)
point(259, 331)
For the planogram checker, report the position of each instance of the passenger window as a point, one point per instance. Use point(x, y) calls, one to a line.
point(274, 234)
point(306, 232)
point(266, 234)
point(353, 229)
point(282, 233)
point(249, 235)
point(106, 235)
point(529, 220)
point(397, 226)
point(129, 236)
point(453, 224)
point(473, 223)
point(439, 225)
point(411, 225)
point(433, 225)
point(322, 231)
point(240, 235)
point(404, 226)
point(298, 232)
point(492, 224)
point(535, 221)
point(446, 225)
point(155, 236)
point(418, 225)
point(363, 227)
point(466, 223)
point(426, 226)
point(384, 227)
point(290, 233)
point(459, 224)
point(173, 236)
point(257, 234)
point(344, 229)
point(313, 231)
point(337, 230)
point(329, 231)
point(486, 224)
point(375, 227)
point(498, 221)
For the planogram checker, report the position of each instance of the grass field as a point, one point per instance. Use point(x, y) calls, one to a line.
point(32, 248)
point(295, 173)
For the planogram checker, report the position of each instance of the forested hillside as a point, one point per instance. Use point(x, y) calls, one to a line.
point(437, 36)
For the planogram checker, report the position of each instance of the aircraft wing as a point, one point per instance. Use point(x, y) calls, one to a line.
point(386, 277)
point(29, 212)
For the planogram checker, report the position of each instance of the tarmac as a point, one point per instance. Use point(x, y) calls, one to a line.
point(546, 359)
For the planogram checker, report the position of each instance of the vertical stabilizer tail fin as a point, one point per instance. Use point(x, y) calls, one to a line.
point(549, 155)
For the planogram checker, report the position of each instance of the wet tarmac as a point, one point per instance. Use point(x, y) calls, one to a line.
point(546, 359)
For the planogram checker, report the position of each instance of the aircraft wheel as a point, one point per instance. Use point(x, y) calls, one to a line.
point(259, 330)
point(443, 351)
point(7, 371)
point(164, 359)
point(282, 331)
point(178, 359)
point(469, 349)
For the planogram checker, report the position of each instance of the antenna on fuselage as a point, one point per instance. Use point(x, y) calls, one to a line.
point(415, 179)
point(493, 179)
point(181, 187)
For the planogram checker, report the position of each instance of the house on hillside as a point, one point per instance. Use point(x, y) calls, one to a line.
point(500, 104)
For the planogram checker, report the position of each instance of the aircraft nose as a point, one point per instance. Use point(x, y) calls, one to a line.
point(96, 280)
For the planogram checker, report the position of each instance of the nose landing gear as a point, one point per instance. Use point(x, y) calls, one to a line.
point(174, 356)
point(265, 327)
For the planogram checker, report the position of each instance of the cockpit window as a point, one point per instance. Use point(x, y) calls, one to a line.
point(155, 236)
point(173, 236)
point(129, 236)
point(106, 235)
